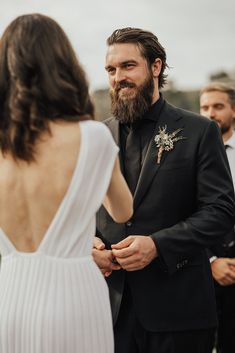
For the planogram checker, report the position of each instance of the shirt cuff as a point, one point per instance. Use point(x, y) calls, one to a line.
point(213, 258)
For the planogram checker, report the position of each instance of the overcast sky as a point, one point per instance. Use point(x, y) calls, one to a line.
point(198, 35)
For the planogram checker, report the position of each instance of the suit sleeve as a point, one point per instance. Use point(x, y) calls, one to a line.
point(214, 215)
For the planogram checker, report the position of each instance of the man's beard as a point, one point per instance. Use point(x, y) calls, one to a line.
point(225, 128)
point(131, 109)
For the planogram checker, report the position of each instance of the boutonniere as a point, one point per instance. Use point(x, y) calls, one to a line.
point(165, 141)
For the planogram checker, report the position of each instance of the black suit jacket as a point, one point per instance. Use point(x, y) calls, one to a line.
point(225, 248)
point(186, 203)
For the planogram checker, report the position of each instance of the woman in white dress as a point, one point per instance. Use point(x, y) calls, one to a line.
point(57, 166)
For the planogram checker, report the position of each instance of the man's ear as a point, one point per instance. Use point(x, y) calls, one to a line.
point(156, 67)
point(233, 108)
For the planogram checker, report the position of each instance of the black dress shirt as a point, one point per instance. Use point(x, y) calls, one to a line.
point(142, 131)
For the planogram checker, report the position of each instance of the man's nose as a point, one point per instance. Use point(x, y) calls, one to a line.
point(211, 113)
point(119, 76)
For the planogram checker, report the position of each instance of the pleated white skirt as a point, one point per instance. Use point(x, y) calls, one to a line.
point(53, 305)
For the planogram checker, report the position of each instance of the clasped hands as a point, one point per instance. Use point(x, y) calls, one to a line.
point(223, 271)
point(133, 253)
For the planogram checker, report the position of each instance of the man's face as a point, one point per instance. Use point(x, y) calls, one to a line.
point(216, 106)
point(131, 81)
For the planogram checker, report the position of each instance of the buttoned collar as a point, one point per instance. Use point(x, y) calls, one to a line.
point(154, 111)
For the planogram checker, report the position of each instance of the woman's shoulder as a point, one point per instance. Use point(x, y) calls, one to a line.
point(99, 137)
point(97, 129)
point(94, 125)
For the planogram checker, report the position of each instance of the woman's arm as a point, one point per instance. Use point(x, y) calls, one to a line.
point(118, 200)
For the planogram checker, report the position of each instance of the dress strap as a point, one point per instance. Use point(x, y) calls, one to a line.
point(6, 247)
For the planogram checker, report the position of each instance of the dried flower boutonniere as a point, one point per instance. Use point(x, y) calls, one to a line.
point(165, 141)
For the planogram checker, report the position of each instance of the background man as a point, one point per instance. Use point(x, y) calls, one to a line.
point(163, 297)
point(217, 102)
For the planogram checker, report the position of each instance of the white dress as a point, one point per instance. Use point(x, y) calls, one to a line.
point(55, 300)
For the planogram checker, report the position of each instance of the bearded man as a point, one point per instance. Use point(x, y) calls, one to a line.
point(157, 269)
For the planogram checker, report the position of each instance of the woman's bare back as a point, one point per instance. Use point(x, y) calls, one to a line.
point(30, 194)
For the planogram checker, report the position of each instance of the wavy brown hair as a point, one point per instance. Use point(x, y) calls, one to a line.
point(41, 80)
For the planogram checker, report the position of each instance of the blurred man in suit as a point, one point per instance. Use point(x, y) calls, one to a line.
point(163, 296)
point(217, 102)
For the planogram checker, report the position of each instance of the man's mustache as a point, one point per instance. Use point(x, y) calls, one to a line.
point(124, 84)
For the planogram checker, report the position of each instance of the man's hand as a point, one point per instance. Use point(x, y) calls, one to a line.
point(98, 244)
point(223, 271)
point(103, 258)
point(135, 252)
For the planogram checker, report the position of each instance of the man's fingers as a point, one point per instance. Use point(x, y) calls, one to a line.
point(107, 273)
point(115, 266)
point(231, 275)
point(231, 262)
point(123, 243)
point(128, 261)
point(226, 282)
point(227, 278)
point(131, 265)
point(98, 244)
point(122, 253)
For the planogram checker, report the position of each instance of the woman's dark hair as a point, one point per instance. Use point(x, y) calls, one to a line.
point(148, 44)
point(41, 80)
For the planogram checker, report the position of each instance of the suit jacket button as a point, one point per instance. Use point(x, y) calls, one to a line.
point(129, 224)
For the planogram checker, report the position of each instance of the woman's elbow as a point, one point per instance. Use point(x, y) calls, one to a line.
point(124, 215)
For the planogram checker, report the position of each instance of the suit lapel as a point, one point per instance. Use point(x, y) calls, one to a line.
point(169, 117)
point(113, 125)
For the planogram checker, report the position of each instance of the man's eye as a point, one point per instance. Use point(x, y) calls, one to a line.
point(129, 65)
point(111, 70)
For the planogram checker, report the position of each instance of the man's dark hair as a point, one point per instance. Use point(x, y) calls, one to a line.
point(148, 44)
point(41, 80)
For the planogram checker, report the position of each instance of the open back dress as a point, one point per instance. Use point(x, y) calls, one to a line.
point(55, 300)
